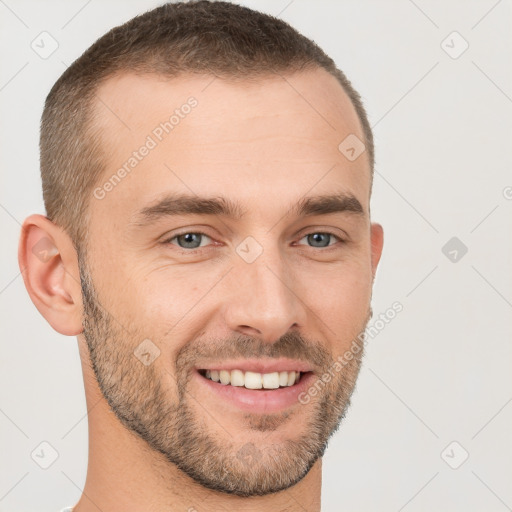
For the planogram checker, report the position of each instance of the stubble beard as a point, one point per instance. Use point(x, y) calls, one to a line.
point(139, 399)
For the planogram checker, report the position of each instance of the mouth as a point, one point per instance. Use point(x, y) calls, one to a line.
point(254, 380)
point(255, 386)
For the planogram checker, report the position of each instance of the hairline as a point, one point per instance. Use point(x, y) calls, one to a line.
point(94, 133)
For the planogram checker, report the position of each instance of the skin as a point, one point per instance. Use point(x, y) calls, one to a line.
point(265, 145)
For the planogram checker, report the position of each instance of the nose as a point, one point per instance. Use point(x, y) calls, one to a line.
point(263, 301)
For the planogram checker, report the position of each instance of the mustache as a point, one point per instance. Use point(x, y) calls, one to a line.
point(291, 345)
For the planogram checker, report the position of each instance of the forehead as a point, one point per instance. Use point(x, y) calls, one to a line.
point(272, 138)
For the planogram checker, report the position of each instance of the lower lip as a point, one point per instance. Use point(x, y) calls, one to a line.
point(258, 401)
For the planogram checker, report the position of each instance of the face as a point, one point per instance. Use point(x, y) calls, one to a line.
point(228, 271)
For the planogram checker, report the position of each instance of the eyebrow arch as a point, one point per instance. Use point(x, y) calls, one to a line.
point(324, 204)
point(185, 204)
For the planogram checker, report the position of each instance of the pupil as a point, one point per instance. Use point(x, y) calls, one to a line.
point(317, 239)
point(191, 240)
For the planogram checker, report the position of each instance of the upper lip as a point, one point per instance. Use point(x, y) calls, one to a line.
point(259, 365)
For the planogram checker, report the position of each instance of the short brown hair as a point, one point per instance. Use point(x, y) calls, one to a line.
point(217, 38)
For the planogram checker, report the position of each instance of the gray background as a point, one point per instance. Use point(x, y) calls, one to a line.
point(439, 372)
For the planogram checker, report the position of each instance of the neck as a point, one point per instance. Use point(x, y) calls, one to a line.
point(125, 475)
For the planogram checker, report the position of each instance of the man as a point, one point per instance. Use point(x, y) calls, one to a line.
point(206, 174)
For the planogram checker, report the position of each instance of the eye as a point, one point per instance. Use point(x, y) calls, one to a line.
point(320, 239)
point(190, 240)
point(195, 240)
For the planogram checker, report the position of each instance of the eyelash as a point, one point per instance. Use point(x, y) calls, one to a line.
point(198, 249)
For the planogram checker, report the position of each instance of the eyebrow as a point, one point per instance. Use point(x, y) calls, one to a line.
point(184, 204)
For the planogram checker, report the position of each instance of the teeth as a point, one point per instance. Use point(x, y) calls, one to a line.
point(254, 380)
point(225, 377)
point(271, 380)
point(237, 378)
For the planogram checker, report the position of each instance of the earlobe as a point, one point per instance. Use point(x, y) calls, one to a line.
point(48, 262)
point(377, 241)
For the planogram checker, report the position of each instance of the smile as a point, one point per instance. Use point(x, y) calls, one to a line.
point(253, 380)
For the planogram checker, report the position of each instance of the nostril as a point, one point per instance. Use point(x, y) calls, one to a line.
point(247, 330)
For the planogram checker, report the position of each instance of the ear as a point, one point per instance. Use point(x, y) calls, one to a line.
point(377, 241)
point(49, 265)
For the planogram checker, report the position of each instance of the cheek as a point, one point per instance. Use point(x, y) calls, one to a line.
point(166, 304)
point(341, 298)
